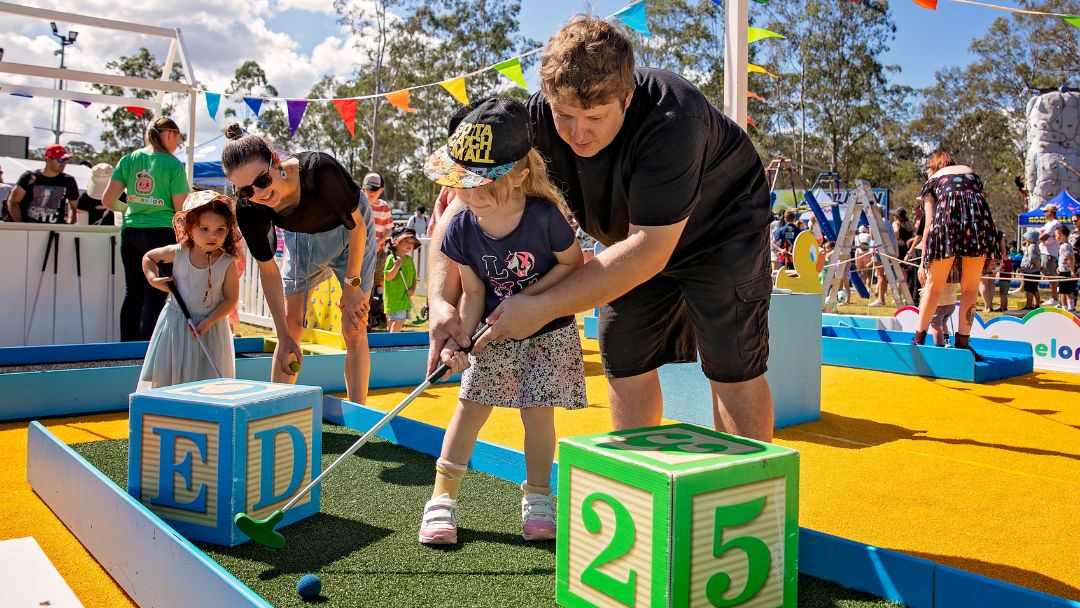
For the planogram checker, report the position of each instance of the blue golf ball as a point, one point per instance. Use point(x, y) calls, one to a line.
point(309, 587)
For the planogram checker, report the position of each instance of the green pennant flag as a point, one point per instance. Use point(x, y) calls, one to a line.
point(753, 34)
point(511, 68)
point(1073, 20)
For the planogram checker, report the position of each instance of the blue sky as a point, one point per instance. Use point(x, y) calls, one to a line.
point(926, 41)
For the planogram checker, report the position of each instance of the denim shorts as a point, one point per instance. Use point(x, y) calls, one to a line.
point(398, 315)
point(310, 258)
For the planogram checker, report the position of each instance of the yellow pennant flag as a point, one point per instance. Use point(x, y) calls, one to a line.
point(753, 34)
point(757, 69)
point(456, 87)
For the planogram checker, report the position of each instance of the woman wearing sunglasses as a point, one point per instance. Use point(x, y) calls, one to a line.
point(156, 185)
point(328, 228)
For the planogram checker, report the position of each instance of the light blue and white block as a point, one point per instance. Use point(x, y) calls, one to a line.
point(204, 451)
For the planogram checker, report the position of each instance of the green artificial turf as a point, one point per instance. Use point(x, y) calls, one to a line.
point(364, 548)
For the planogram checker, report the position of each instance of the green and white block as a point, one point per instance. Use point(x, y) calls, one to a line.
point(677, 515)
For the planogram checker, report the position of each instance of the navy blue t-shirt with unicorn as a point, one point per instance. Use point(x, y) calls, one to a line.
point(510, 264)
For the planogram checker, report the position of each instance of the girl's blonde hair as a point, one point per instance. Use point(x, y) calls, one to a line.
point(537, 183)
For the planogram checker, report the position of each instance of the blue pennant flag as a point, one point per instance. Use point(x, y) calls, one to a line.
point(213, 100)
point(635, 18)
point(255, 103)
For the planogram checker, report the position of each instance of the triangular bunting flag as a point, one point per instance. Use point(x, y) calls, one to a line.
point(927, 4)
point(762, 1)
point(750, 121)
point(400, 100)
point(757, 69)
point(296, 108)
point(456, 87)
point(136, 110)
point(753, 34)
point(511, 68)
point(635, 18)
point(21, 94)
point(85, 104)
point(1072, 20)
point(255, 103)
point(347, 109)
point(753, 95)
point(213, 101)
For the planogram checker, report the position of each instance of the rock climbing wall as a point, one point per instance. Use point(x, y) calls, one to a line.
point(1053, 146)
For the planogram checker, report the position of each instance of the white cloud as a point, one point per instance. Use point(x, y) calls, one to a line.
point(218, 36)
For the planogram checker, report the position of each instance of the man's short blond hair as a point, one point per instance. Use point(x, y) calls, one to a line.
point(588, 62)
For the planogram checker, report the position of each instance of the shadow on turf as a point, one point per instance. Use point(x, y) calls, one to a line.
point(1012, 574)
point(409, 472)
point(850, 433)
point(467, 536)
point(310, 545)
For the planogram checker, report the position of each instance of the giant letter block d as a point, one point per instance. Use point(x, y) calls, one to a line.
point(676, 515)
point(204, 451)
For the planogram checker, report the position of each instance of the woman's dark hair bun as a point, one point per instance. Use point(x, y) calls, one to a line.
point(234, 131)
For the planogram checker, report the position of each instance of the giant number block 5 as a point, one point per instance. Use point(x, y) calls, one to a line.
point(676, 515)
point(204, 451)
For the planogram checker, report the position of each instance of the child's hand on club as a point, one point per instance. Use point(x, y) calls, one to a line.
point(161, 283)
point(202, 328)
point(456, 360)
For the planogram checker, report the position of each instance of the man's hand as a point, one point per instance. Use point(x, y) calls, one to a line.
point(517, 317)
point(443, 325)
point(354, 306)
point(287, 351)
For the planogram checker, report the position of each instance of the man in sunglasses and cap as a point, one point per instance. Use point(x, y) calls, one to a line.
point(48, 195)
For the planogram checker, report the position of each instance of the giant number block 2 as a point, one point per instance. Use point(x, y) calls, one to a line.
point(676, 515)
point(204, 451)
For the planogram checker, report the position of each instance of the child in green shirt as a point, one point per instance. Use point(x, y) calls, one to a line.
point(399, 278)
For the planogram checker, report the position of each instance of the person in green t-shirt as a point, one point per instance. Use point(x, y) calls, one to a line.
point(156, 185)
point(399, 278)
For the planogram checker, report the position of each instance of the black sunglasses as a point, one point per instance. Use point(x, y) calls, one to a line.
point(261, 181)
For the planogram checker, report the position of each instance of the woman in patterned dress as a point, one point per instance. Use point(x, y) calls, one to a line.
point(959, 228)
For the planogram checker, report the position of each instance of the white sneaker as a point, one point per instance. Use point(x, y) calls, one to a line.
point(841, 296)
point(877, 303)
point(439, 525)
point(537, 517)
point(1050, 302)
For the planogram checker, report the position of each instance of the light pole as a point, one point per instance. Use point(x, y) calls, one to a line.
point(65, 40)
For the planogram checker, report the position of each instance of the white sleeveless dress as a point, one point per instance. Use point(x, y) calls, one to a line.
point(174, 357)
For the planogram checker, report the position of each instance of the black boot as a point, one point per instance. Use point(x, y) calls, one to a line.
point(962, 341)
point(920, 337)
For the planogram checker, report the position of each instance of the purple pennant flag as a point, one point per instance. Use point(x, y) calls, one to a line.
point(85, 104)
point(297, 107)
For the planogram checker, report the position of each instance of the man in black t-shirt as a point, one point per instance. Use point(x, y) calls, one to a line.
point(677, 193)
point(47, 196)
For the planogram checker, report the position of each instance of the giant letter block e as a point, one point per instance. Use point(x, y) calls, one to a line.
point(676, 515)
point(204, 451)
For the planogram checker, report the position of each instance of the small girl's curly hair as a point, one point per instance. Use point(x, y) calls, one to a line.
point(185, 222)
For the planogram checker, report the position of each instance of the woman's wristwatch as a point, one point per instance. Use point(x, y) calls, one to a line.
point(353, 281)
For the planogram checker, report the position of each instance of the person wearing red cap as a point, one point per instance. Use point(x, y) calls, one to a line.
point(46, 196)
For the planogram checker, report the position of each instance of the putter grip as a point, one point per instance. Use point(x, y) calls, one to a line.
point(48, 250)
point(56, 254)
point(165, 270)
point(443, 368)
point(78, 259)
point(112, 257)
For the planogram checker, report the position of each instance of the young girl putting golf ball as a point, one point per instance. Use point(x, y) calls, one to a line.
point(206, 277)
point(512, 237)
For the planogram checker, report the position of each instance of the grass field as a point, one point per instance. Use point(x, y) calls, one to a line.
point(363, 545)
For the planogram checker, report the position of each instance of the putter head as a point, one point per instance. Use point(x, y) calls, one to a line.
point(261, 530)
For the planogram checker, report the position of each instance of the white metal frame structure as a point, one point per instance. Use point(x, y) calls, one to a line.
point(162, 86)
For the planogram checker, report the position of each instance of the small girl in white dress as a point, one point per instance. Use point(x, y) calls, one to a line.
point(205, 276)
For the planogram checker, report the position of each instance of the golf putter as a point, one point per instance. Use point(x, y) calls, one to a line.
point(112, 286)
point(191, 325)
point(262, 530)
point(78, 273)
point(55, 269)
point(37, 294)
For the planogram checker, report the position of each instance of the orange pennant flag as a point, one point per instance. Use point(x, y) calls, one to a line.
point(927, 4)
point(400, 100)
point(750, 121)
point(347, 110)
point(753, 95)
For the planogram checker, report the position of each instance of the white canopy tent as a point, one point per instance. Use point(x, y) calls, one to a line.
point(14, 167)
point(162, 86)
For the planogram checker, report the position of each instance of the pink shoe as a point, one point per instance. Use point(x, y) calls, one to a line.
point(439, 526)
point(537, 517)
